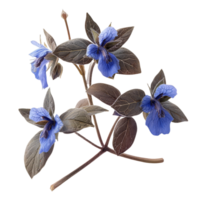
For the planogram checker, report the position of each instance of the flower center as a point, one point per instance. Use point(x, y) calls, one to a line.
point(47, 127)
point(38, 61)
point(105, 54)
point(158, 108)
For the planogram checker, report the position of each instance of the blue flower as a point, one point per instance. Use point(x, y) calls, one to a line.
point(38, 66)
point(108, 64)
point(159, 119)
point(53, 126)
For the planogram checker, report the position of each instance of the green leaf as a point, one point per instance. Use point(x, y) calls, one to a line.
point(73, 51)
point(93, 110)
point(124, 135)
point(129, 63)
point(105, 93)
point(75, 120)
point(49, 104)
point(158, 80)
point(175, 112)
point(111, 44)
point(128, 104)
point(89, 23)
point(123, 36)
point(34, 161)
point(25, 113)
point(50, 41)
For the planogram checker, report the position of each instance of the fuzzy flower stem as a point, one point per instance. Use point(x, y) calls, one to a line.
point(61, 181)
point(64, 16)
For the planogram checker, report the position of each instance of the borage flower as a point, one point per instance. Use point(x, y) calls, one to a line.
point(38, 66)
point(52, 126)
point(159, 119)
point(108, 64)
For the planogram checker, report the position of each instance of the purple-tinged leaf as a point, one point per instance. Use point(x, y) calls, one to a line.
point(89, 23)
point(73, 51)
point(50, 41)
point(93, 110)
point(158, 80)
point(124, 135)
point(175, 112)
point(123, 36)
point(129, 63)
point(25, 113)
point(128, 104)
point(105, 93)
point(75, 120)
point(82, 103)
point(49, 104)
point(90, 73)
point(34, 161)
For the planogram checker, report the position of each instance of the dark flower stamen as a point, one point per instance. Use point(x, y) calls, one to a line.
point(38, 61)
point(105, 54)
point(47, 127)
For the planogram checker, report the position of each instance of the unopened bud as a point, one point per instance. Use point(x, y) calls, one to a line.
point(64, 15)
point(57, 71)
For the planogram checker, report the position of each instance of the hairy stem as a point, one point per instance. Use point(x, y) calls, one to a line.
point(69, 36)
point(61, 181)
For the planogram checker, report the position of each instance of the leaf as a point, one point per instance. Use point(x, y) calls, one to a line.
point(123, 36)
point(53, 61)
point(44, 122)
point(82, 103)
point(90, 71)
point(128, 104)
point(145, 115)
point(89, 23)
point(93, 110)
point(129, 63)
point(165, 98)
point(175, 112)
point(95, 36)
point(34, 161)
point(158, 80)
point(73, 51)
point(50, 41)
point(111, 44)
point(25, 113)
point(117, 114)
point(105, 93)
point(75, 120)
point(124, 135)
point(56, 71)
point(49, 104)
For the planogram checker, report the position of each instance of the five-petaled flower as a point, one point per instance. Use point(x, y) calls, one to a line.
point(108, 64)
point(38, 66)
point(52, 126)
point(159, 119)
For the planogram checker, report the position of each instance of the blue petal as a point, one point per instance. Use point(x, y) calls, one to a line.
point(166, 90)
point(93, 51)
point(37, 44)
point(107, 35)
point(39, 53)
point(35, 70)
point(36, 114)
point(46, 143)
point(158, 125)
point(42, 73)
point(146, 104)
point(108, 69)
